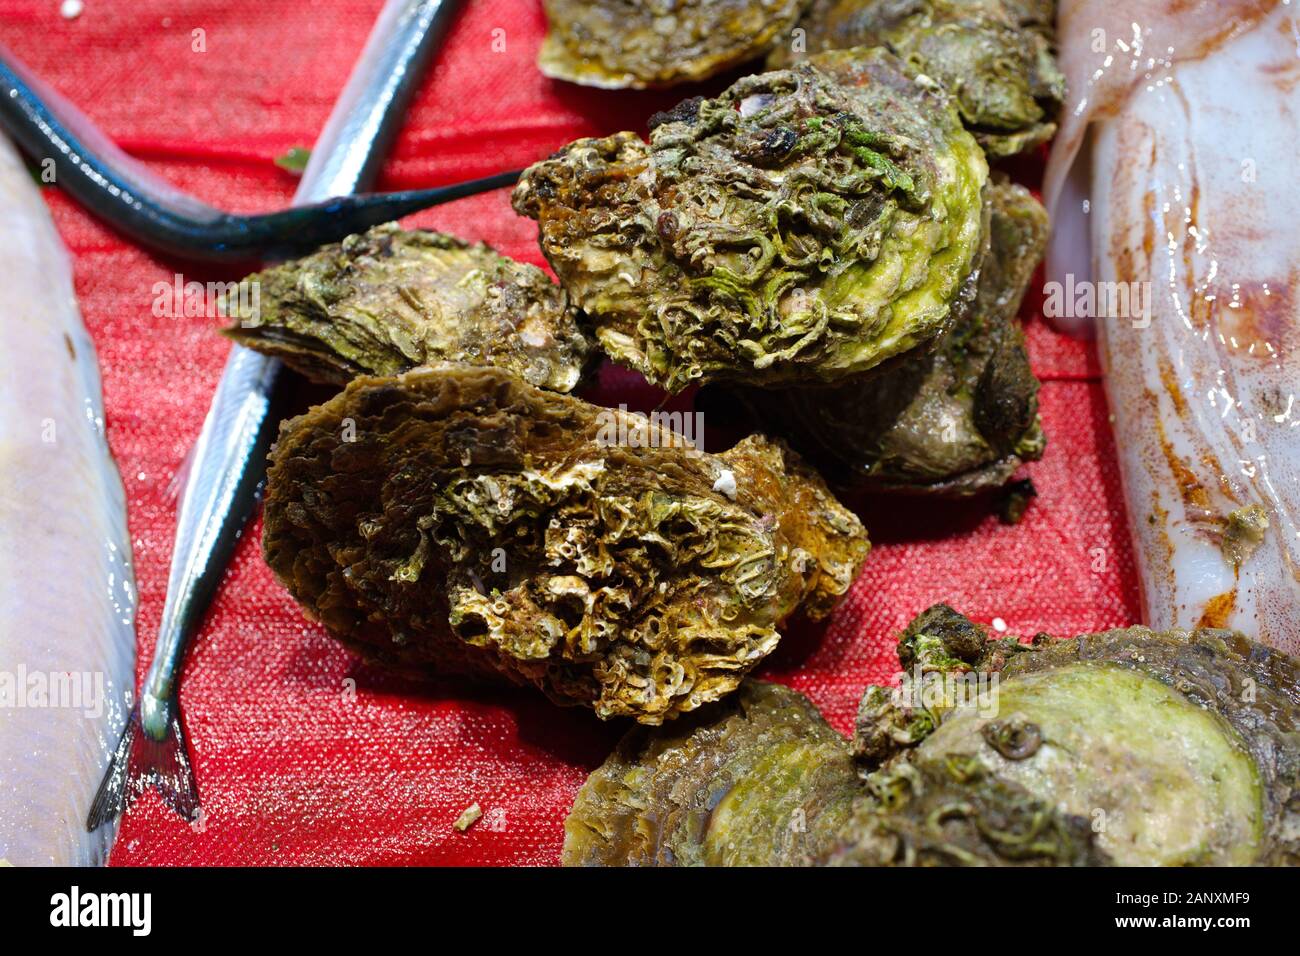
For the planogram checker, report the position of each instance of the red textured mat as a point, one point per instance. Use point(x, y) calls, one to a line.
point(304, 755)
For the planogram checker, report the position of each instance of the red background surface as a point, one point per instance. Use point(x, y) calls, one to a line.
point(292, 767)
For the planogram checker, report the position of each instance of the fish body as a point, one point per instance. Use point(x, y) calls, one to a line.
point(1172, 189)
point(67, 592)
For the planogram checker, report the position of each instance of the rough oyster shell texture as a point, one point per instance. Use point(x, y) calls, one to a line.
point(455, 517)
point(997, 57)
point(648, 43)
point(955, 419)
point(388, 299)
point(797, 228)
point(1128, 747)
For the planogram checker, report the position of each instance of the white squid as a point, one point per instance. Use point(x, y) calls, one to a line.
point(1175, 200)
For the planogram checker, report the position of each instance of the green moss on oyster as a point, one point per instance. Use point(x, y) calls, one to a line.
point(758, 779)
point(761, 780)
point(1164, 782)
point(953, 420)
point(957, 813)
point(795, 228)
point(1126, 747)
point(1179, 748)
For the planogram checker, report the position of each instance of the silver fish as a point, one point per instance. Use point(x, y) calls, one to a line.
point(67, 593)
point(229, 459)
point(1177, 234)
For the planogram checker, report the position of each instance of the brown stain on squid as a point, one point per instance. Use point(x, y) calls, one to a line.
point(1218, 610)
point(1177, 23)
point(1239, 18)
point(1285, 75)
point(1122, 252)
point(1255, 317)
point(1149, 209)
point(1158, 519)
point(1213, 467)
point(1195, 498)
point(1261, 315)
point(1170, 381)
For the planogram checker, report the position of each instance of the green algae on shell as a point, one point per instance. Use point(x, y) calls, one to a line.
point(1127, 747)
point(952, 420)
point(1180, 748)
point(794, 229)
point(760, 779)
point(1165, 781)
point(757, 779)
point(455, 517)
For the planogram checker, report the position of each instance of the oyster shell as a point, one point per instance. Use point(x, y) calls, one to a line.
point(996, 56)
point(795, 229)
point(387, 300)
point(457, 518)
point(649, 43)
point(954, 420)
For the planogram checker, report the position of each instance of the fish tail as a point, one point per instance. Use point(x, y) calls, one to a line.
point(140, 762)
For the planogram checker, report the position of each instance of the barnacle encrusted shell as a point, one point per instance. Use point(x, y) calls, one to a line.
point(996, 56)
point(456, 516)
point(1180, 748)
point(761, 780)
point(793, 229)
point(389, 299)
point(957, 813)
point(649, 43)
point(1126, 747)
point(954, 420)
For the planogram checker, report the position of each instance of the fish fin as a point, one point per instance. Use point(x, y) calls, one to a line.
point(110, 798)
point(165, 766)
point(140, 762)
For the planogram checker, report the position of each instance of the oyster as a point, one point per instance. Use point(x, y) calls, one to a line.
point(996, 56)
point(387, 300)
point(760, 779)
point(1179, 748)
point(757, 779)
point(647, 43)
point(793, 229)
point(957, 813)
point(1128, 747)
point(457, 518)
point(955, 420)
